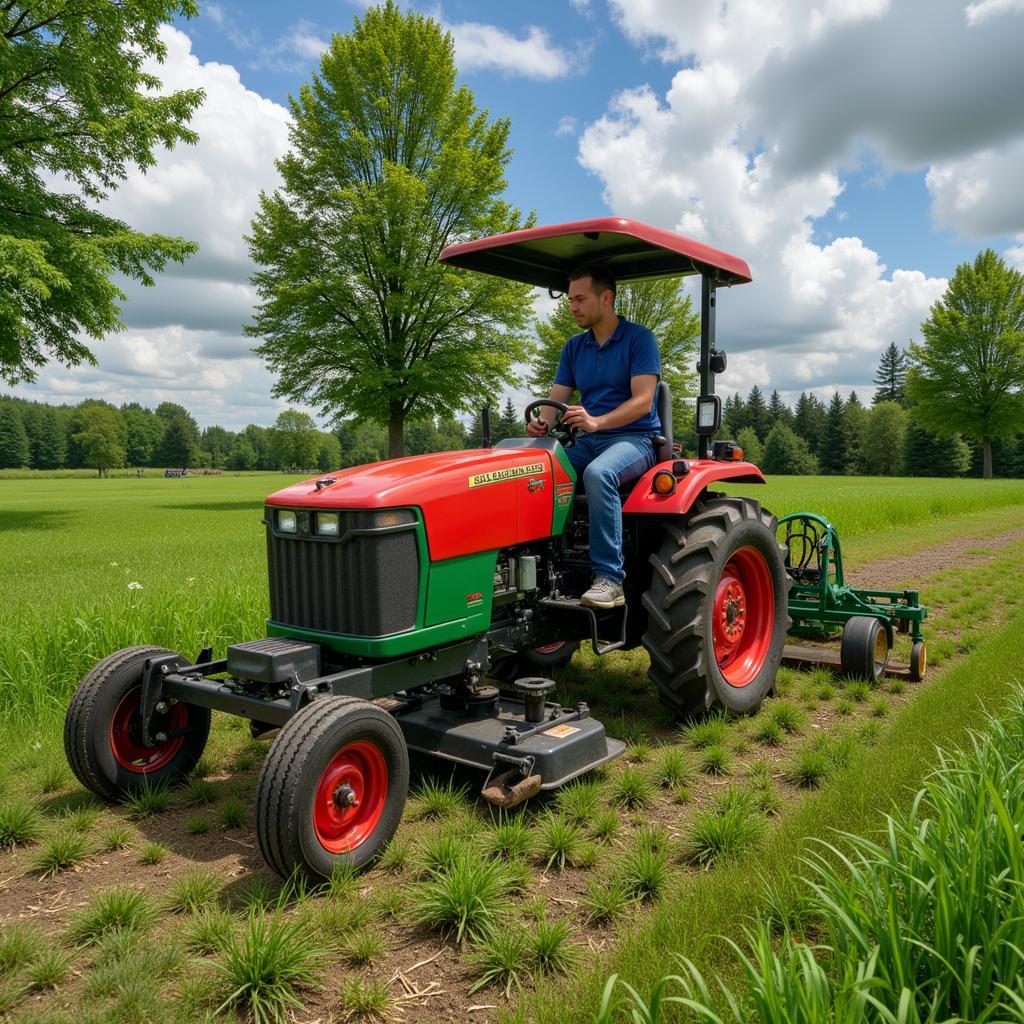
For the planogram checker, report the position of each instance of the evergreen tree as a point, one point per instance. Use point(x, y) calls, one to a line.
point(14, 447)
point(734, 416)
point(891, 377)
point(786, 453)
point(924, 454)
point(832, 453)
point(757, 413)
point(855, 420)
point(809, 420)
point(881, 452)
point(177, 447)
point(778, 411)
point(475, 431)
point(967, 376)
point(511, 424)
point(51, 447)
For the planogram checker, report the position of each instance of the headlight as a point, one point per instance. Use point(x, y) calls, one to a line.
point(327, 524)
point(396, 517)
point(286, 522)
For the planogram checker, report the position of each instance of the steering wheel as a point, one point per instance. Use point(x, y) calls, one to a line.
point(560, 432)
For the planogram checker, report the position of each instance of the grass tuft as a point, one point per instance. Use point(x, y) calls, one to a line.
point(463, 899)
point(787, 716)
point(734, 829)
point(510, 839)
point(633, 789)
point(715, 760)
point(364, 946)
point(153, 853)
point(604, 825)
point(396, 856)
point(501, 958)
point(558, 841)
point(61, 853)
point(579, 801)
point(209, 930)
point(192, 892)
point(366, 999)
point(200, 792)
point(266, 964)
point(606, 900)
point(673, 768)
point(149, 799)
point(117, 837)
point(709, 732)
point(437, 800)
point(644, 873)
point(20, 944)
point(233, 813)
point(51, 969)
point(553, 951)
point(811, 766)
point(20, 823)
point(120, 909)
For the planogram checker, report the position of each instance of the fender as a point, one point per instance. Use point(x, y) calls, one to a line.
point(643, 501)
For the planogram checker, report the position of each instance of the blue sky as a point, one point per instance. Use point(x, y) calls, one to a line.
point(853, 151)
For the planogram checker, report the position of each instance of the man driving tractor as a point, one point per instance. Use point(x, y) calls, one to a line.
point(615, 365)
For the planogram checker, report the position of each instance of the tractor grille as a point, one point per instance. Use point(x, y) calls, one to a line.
point(366, 585)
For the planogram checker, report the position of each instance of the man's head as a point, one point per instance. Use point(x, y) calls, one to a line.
point(591, 294)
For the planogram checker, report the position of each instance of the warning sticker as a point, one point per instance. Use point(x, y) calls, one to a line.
point(496, 476)
point(561, 731)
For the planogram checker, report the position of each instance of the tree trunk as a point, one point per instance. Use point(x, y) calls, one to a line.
point(396, 431)
point(986, 458)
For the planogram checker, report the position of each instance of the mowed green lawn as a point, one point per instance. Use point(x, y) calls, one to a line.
point(89, 566)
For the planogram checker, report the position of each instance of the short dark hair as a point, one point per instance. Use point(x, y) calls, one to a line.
point(600, 276)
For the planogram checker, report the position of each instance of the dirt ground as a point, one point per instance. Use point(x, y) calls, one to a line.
point(424, 973)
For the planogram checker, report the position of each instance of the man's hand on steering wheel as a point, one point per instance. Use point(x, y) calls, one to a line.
point(537, 424)
point(578, 417)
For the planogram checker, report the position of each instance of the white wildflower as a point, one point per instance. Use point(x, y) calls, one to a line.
point(134, 586)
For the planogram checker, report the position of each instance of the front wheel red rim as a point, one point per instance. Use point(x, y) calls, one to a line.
point(126, 735)
point(350, 797)
point(743, 616)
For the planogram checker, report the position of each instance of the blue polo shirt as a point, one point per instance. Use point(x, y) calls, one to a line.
point(601, 373)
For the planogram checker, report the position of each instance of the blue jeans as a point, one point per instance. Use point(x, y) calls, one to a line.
point(603, 462)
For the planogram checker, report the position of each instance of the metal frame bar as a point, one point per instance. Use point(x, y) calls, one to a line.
point(707, 346)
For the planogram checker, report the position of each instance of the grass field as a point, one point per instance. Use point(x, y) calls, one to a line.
point(90, 566)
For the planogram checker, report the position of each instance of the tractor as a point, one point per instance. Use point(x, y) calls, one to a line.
point(418, 605)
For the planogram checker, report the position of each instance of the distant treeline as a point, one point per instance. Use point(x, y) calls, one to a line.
point(843, 437)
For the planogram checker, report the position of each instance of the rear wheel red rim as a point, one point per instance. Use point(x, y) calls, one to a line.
point(126, 735)
point(743, 616)
point(350, 797)
point(550, 648)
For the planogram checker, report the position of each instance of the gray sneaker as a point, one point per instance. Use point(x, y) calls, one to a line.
point(603, 594)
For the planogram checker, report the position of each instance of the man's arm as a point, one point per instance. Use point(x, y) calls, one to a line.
point(540, 427)
point(638, 404)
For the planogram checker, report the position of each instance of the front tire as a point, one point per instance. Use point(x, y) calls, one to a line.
point(717, 608)
point(332, 788)
point(102, 730)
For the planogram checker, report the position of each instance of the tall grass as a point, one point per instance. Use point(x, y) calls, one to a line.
point(925, 925)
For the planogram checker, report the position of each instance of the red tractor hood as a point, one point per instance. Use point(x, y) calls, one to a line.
point(471, 501)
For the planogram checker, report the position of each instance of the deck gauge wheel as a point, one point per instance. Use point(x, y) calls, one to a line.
point(864, 650)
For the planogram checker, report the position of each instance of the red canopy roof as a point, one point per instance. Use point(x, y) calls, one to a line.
point(545, 256)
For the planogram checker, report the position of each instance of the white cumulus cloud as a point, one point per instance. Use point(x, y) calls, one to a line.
point(533, 55)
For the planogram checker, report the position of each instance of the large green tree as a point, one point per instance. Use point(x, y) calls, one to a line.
point(295, 441)
point(77, 108)
point(100, 437)
point(659, 304)
point(881, 449)
point(967, 376)
point(390, 162)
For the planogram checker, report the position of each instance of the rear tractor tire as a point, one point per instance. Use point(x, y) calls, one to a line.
point(332, 788)
point(864, 649)
point(717, 608)
point(103, 730)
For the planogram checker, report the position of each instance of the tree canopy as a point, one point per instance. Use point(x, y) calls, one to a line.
point(967, 376)
point(389, 163)
point(77, 107)
point(659, 304)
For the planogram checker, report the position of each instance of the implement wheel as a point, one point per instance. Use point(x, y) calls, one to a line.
point(864, 649)
point(717, 608)
point(918, 661)
point(103, 730)
point(332, 788)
